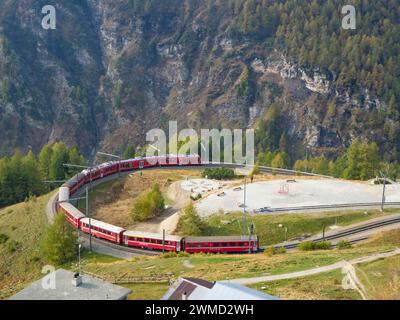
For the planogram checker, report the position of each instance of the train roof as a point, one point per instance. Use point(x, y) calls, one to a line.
point(161, 156)
point(220, 239)
point(103, 225)
point(72, 210)
point(99, 166)
point(150, 235)
point(74, 180)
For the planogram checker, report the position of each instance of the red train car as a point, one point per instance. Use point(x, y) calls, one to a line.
point(102, 230)
point(72, 214)
point(189, 160)
point(154, 241)
point(230, 244)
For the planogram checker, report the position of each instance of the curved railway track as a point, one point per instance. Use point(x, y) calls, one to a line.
point(51, 210)
point(352, 231)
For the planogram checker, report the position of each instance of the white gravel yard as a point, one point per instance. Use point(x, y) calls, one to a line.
point(302, 192)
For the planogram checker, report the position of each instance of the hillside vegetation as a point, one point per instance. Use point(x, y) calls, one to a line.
point(29, 175)
point(23, 225)
point(114, 70)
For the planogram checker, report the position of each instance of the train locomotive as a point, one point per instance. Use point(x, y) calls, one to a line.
point(138, 239)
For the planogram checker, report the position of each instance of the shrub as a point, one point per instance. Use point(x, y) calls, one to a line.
point(325, 245)
point(306, 246)
point(270, 251)
point(3, 238)
point(311, 246)
point(280, 250)
point(183, 254)
point(219, 173)
point(170, 254)
point(148, 206)
point(344, 244)
point(12, 246)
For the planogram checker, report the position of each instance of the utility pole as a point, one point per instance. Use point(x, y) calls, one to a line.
point(90, 219)
point(79, 258)
point(86, 197)
point(113, 156)
point(383, 192)
point(244, 208)
point(250, 236)
point(163, 241)
point(323, 233)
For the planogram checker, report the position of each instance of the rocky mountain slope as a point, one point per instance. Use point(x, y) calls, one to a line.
point(112, 70)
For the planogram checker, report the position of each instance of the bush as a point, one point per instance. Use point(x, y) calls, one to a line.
point(148, 206)
point(3, 238)
point(219, 173)
point(311, 246)
point(344, 244)
point(271, 251)
point(325, 245)
point(280, 250)
point(306, 246)
point(12, 246)
point(170, 254)
point(183, 254)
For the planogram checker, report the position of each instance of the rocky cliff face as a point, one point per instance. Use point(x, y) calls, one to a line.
point(110, 73)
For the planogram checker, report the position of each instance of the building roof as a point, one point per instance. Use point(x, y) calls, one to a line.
point(63, 289)
point(197, 289)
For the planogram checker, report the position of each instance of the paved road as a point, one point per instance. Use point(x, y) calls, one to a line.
point(309, 272)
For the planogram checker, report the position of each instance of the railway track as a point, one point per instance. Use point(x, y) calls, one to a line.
point(348, 232)
point(51, 209)
point(333, 206)
point(113, 246)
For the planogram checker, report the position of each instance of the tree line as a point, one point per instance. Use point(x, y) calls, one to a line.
point(22, 176)
point(311, 33)
point(361, 161)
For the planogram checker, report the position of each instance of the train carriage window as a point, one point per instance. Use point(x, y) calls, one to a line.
point(224, 244)
point(215, 244)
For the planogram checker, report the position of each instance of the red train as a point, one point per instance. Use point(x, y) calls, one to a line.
point(144, 240)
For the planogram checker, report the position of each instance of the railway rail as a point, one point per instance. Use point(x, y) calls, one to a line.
point(52, 208)
point(348, 232)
